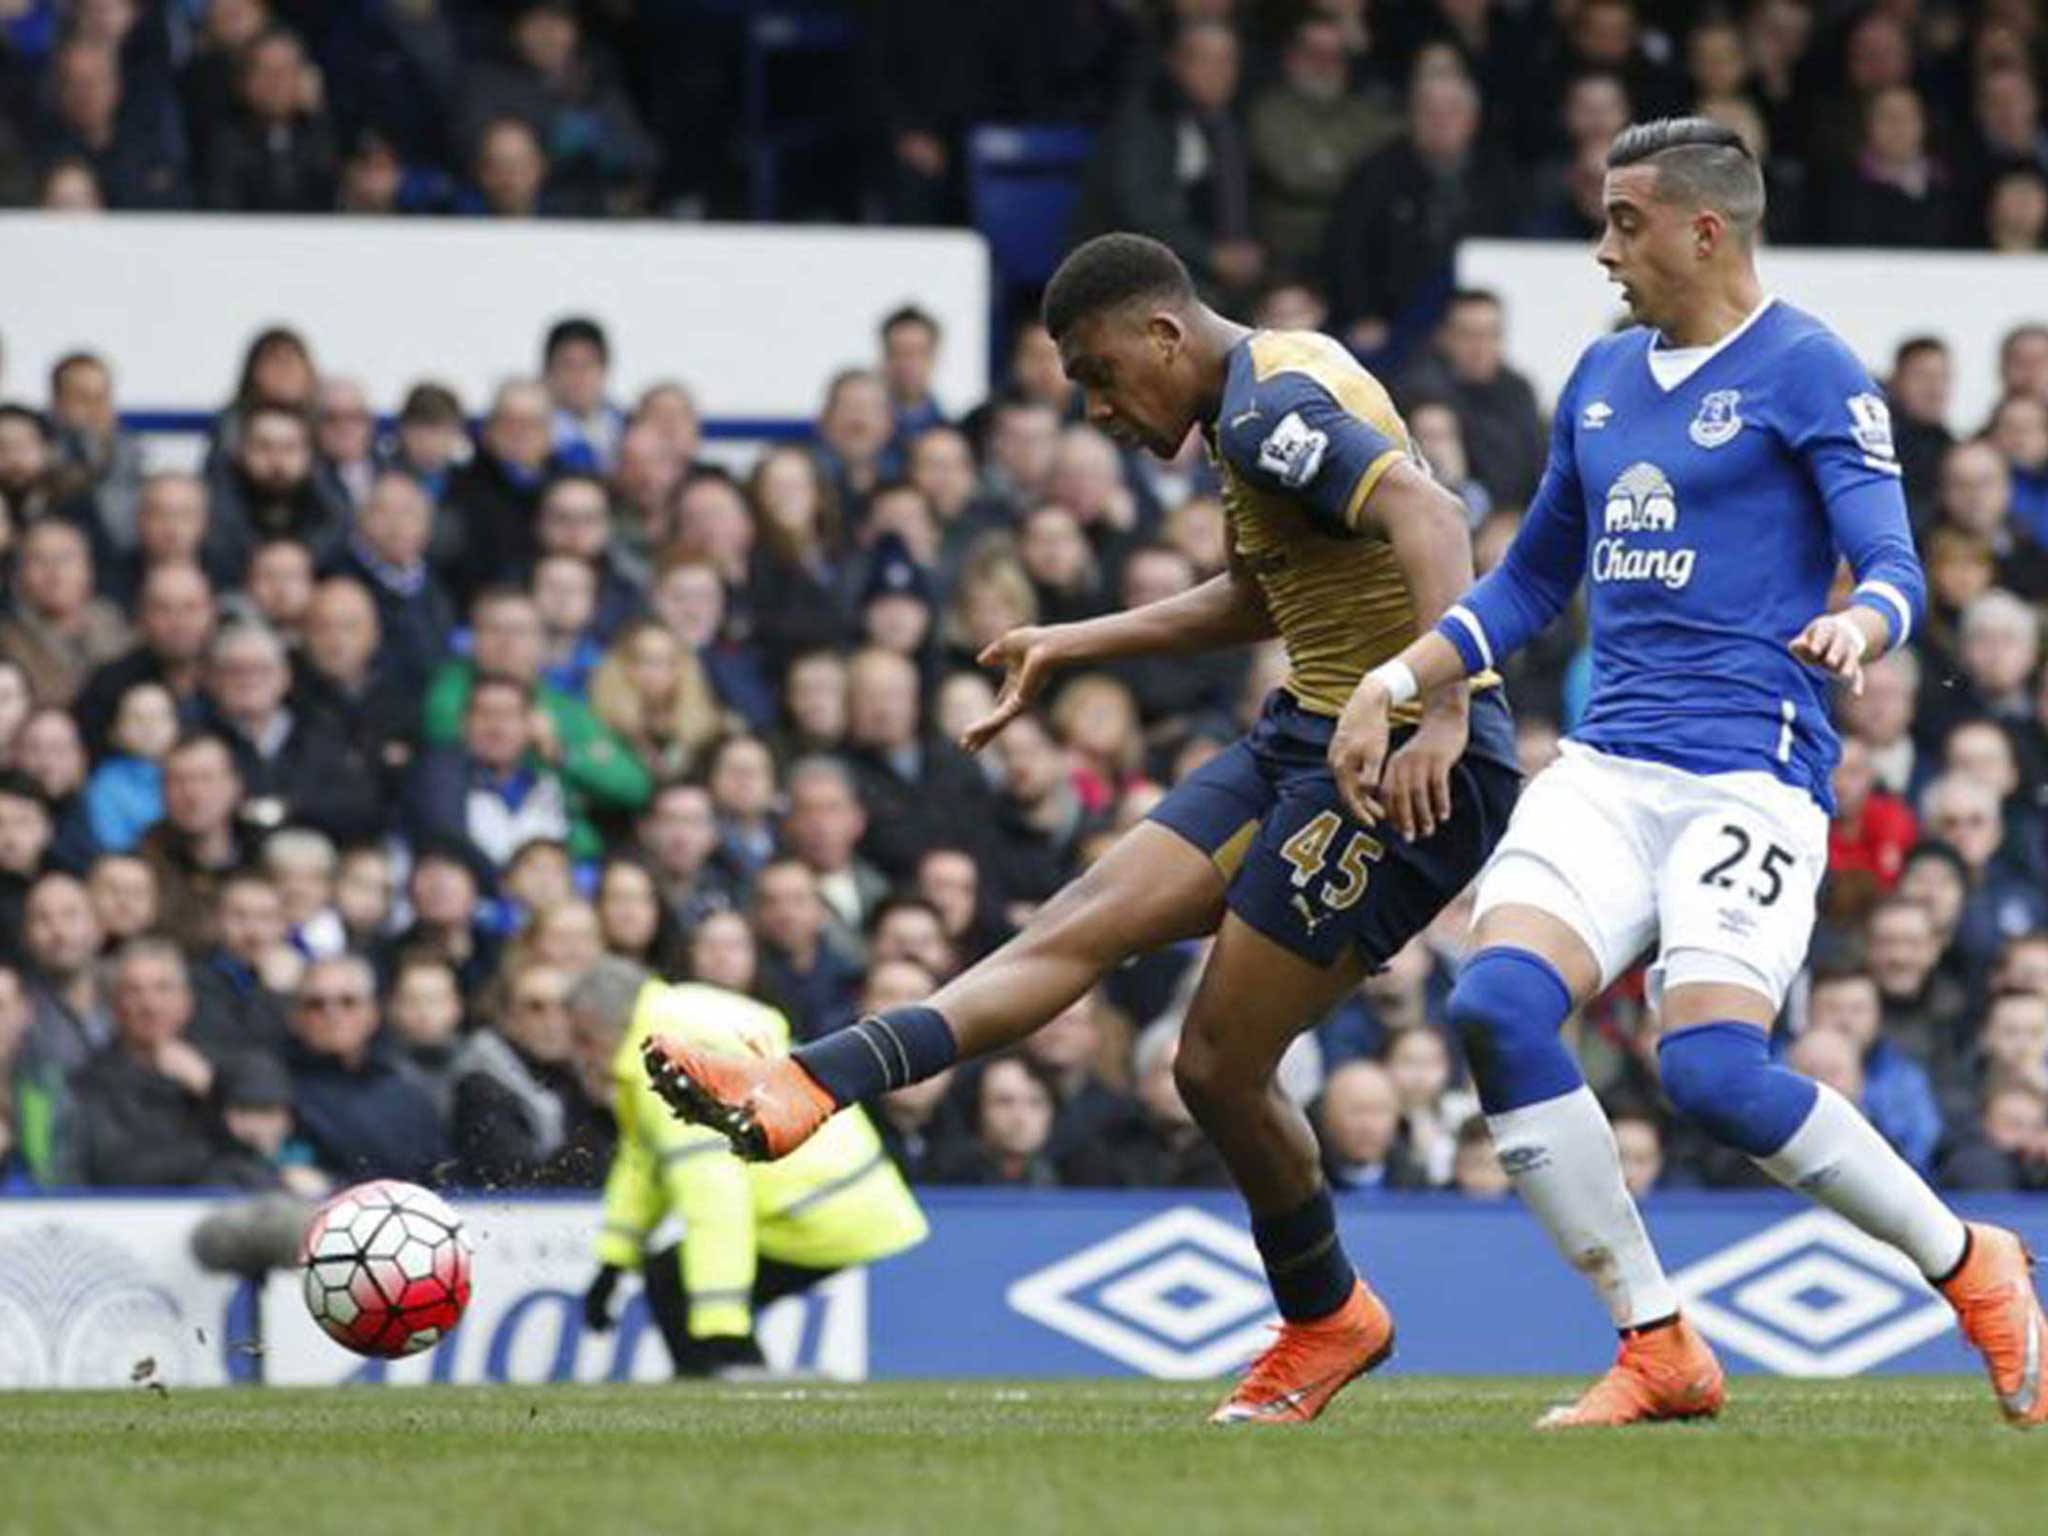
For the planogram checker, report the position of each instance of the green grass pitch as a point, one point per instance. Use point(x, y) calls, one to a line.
point(1404, 1455)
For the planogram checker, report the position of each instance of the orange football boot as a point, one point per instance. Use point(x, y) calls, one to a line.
point(1667, 1373)
point(766, 1106)
point(1310, 1363)
point(1993, 1294)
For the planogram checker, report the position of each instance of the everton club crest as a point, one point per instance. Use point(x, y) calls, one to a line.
point(1717, 421)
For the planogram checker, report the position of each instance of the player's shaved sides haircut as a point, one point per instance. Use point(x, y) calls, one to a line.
point(1110, 271)
point(1700, 164)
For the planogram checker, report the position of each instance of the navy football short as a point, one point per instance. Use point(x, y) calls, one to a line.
point(1301, 870)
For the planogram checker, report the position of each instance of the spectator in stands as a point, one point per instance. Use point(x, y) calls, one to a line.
point(1640, 1141)
point(825, 825)
point(722, 952)
point(444, 890)
point(1983, 750)
point(2023, 361)
point(1882, 719)
point(634, 920)
point(171, 521)
point(1503, 431)
point(2019, 431)
point(292, 767)
point(363, 1116)
point(345, 441)
point(58, 632)
point(145, 1110)
point(34, 1105)
point(495, 496)
point(210, 79)
point(2016, 213)
point(1871, 829)
point(125, 796)
point(267, 489)
point(575, 365)
point(1919, 392)
point(32, 482)
point(124, 898)
point(93, 448)
point(1400, 216)
point(1358, 1121)
point(2009, 136)
point(1925, 1010)
point(2008, 1149)
point(908, 928)
point(1476, 1172)
point(424, 1015)
point(1418, 1064)
point(1306, 132)
point(797, 581)
point(70, 1010)
point(277, 370)
point(917, 788)
point(740, 774)
point(1066, 576)
point(508, 640)
point(910, 357)
point(277, 154)
point(1022, 437)
point(1160, 1147)
point(1087, 1109)
point(49, 751)
point(2004, 899)
point(552, 81)
point(495, 789)
point(576, 521)
point(856, 439)
point(2014, 1042)
point(510, 171)
point(1174, 164)
point(278, 587)
point(564, 589)
point(653, 695)
point(136, 156)
point(242, 982)
point(520, 1116)
point(1039, 819)
point(813, 706)
point(812, 980)
point(431, 440)
point(199, 841)
point(1895, 193)
point(343, 671)
point(1898, 1097)
point(679, 835)
point(1566, 200)
point(1009, 1124)
point(387, 556)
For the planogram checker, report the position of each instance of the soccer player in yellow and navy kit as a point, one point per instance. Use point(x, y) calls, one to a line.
point(1343, 547)
point(751, 1233)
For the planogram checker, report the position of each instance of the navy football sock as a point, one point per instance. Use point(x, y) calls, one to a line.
point(882, 1052)
point(1306, 1265)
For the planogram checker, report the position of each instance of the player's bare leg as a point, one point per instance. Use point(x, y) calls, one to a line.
point(1717, 1069)
point(1151, 888)
point(1527, 969)
point(1254, 998)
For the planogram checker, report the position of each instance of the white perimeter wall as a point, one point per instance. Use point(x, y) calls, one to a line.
point(754, 319)
point(1558, 299)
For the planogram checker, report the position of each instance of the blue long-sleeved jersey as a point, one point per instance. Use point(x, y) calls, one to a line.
point(1709, 517)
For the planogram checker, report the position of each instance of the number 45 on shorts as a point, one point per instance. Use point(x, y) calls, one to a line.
point(1309, 852)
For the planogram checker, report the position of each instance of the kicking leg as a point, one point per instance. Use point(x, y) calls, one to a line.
point(1152, 888)
point(1254, 998)
point(1716, 1065)
point(1527, 970)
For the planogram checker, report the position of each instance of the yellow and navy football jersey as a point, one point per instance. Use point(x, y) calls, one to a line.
point(1303, 437)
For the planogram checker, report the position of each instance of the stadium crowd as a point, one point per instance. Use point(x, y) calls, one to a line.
point(328, 768)
point(324, 770)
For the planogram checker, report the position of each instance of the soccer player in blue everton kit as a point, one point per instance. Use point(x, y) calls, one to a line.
point(1343, 548)
point(1707, 471)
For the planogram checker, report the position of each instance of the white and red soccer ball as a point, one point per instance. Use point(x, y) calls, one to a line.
point(386, 1268)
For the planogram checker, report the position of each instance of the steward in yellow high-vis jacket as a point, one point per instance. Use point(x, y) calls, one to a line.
point(751, 1231)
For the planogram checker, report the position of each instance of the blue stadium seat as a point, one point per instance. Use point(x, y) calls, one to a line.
point(1021, 185)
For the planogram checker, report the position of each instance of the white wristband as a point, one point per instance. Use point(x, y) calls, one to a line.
point(1398, 678)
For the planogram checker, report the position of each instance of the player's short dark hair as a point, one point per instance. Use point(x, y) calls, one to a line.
point(1109, 271)
point(911, 314)
point(574, 329)
point(1699, 163)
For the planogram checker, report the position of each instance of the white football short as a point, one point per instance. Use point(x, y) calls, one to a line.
point(1718, 871)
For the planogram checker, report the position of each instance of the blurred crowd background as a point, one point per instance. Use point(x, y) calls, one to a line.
point(325, 767)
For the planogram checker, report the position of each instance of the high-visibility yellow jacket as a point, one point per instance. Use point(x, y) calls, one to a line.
point(836, 1201)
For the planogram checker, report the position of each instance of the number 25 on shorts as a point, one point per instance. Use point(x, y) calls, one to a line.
point(1309, 850)
point(1764, 882)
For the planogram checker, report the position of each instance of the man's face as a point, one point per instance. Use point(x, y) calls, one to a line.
point(1642, 1155)
point(1204, 66)
point(1033, 765)
point(680, 832)
point(335, 1013)
point(539, 1021)
point(910, 350)
point(882, 703)
point(343, 425)
point(495, 727)
point(950, 882)
point(824, 824)
point(942, 466)
point(88, 89)
point(24, 834)
point(170, 518)
point(341, 630)
point(1474, 338)
point(565, 593)
point(911, 933)
point(1922, 385)
point(1974, 488)
point(787, 910)
point(398, 520)
point(177, 615)
point(443, 893)
point(1443, 119)
point(24, 455)
point(1136, 386)
point(276, 454)
point(200, 789)
point(1902, 950)
point(2023, 365)
point(858, 423)
point(517, 429)
point(1970, 823)
point(2014, 1121)
point(1980, 751)
point(574, 520)
point(1016, 1111)
point(1884, 713)
point(1648, 248)
point(60, 927)
point(2016, 1035)
point(84, 399)
point(152, 1000)
point(251, 920)
point(575, 377)
point(1852, 1007)
point(273, 80)
point(1360, 1114)
point(123, 897)
point(55, 573)
point(49, 751)
point(248, 680)
point(817, 697)
point(509, 171)
point(509, 639)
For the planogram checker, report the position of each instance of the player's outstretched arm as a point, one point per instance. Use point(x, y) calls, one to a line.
point(1223, 611)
